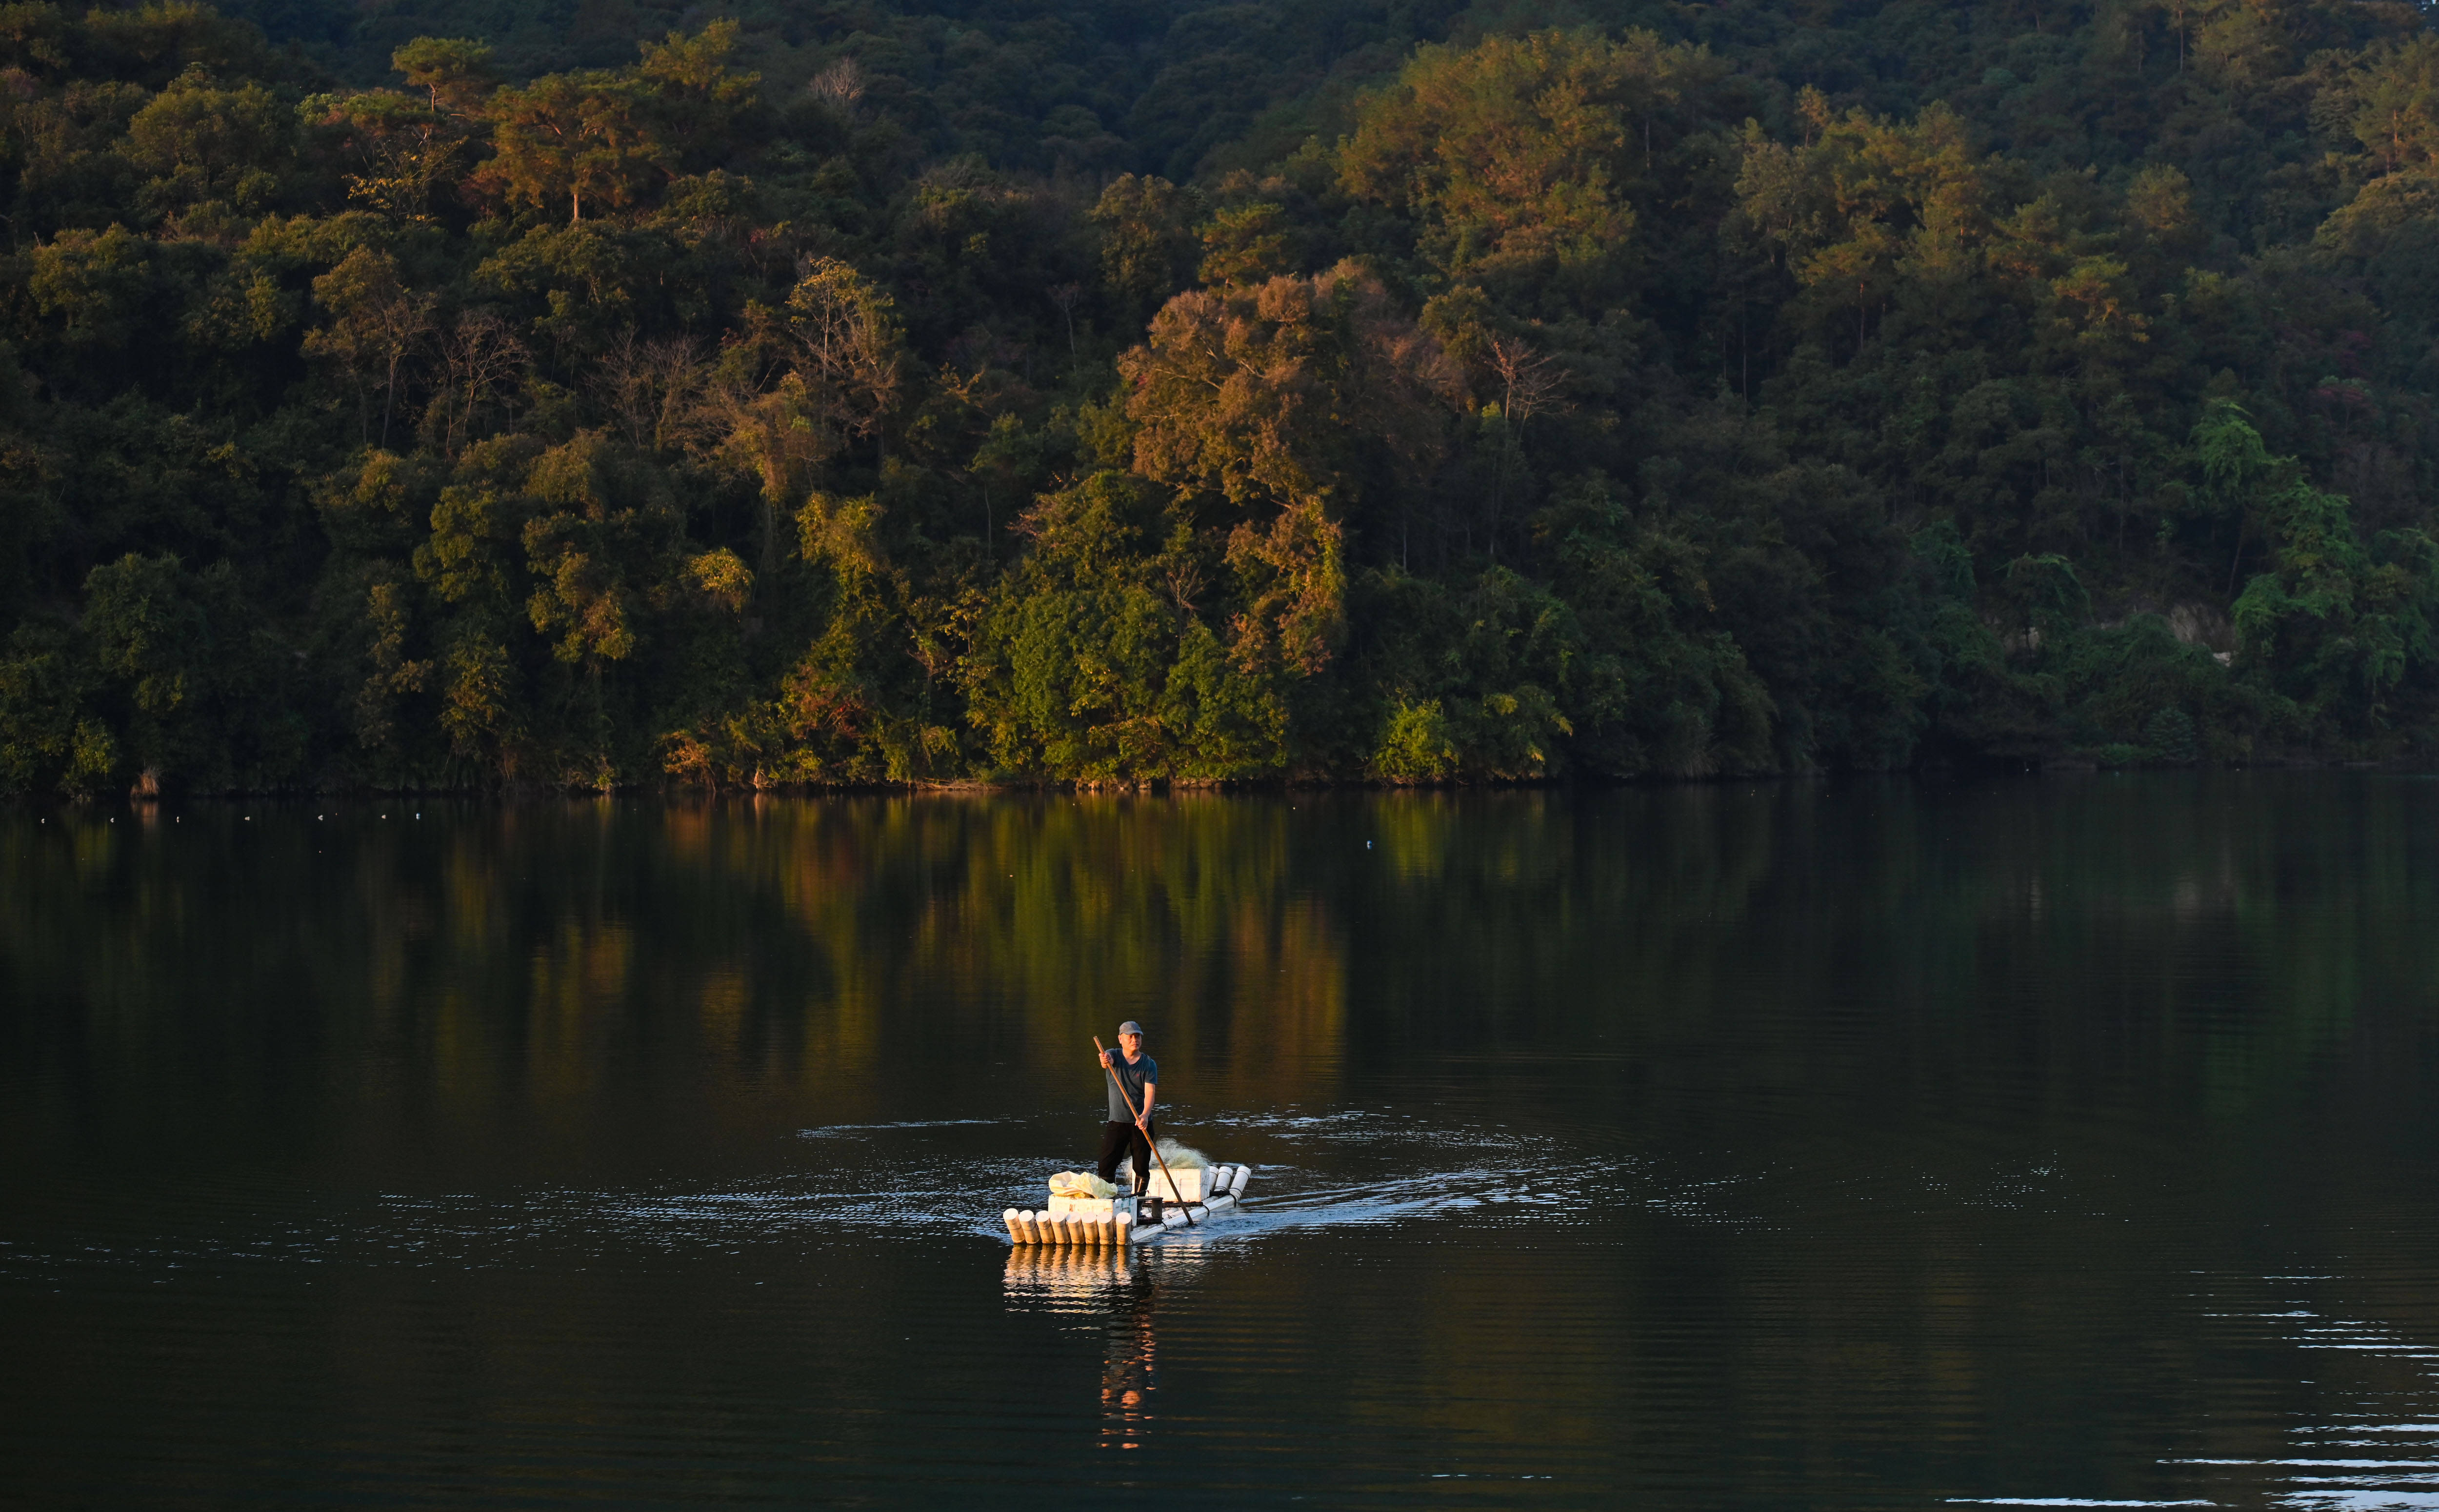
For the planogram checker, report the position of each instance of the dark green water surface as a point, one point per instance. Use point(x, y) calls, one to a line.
point(1860, 1145)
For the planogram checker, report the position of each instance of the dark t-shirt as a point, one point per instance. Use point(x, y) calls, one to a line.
point(1134, 1075)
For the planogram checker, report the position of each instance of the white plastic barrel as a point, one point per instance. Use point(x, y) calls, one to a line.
point(1009, 1218)
point(1237, 1184)
point(1221, 1202)
point(1027, 1231)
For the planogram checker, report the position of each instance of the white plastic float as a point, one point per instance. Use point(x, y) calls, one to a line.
point(1191, 1192)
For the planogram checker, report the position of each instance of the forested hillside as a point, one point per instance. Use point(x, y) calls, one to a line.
point(422, 394)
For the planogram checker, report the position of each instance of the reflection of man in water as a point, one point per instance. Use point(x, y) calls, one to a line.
point(1129, 1130)
point(1127, 1376)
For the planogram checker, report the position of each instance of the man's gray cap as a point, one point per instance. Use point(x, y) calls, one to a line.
point(1131, 1026)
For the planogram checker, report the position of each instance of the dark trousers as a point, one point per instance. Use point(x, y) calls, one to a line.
point(1121, 1138)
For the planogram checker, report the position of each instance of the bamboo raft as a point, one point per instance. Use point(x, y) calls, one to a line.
point(1186, 1198)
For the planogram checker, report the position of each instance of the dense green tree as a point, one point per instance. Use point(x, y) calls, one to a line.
point(896, 393)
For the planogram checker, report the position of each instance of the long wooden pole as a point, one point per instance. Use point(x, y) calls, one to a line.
point(1112, 1072)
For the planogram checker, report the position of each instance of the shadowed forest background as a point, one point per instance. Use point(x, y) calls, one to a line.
point(424, 394)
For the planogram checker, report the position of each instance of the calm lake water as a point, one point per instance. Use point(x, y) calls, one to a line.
point(1852, 1145)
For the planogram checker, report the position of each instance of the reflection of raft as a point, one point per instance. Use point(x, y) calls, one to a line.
point(1190, 1195)
point(1065, 1277)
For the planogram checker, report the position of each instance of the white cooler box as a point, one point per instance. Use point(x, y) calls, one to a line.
point(1188, 1186)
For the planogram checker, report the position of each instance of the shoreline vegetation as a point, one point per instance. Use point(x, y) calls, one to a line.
point(426, 397)
point(152, 797)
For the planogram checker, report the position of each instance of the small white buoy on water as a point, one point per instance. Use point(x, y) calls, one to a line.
point(1015, 1235)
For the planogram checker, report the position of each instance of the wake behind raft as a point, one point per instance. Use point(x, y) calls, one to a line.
point(1084, 1210)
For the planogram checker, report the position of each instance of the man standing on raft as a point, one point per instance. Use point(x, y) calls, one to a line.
point(1133, 1074)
